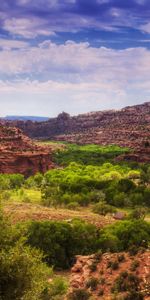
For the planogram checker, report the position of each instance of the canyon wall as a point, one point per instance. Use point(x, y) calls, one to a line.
point(18, 154)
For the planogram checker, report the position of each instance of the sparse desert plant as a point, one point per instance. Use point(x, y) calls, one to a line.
point(126, 282)
point(102, 281)
point(121, 258)
point(93, 266)
point(79, 294)
point(114, 265)
point(134, 295)
point(92, 283)
point(134, 265)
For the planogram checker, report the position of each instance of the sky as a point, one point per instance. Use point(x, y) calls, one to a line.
point(73, 55)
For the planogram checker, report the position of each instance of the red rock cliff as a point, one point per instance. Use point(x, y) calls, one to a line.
point(18, 154)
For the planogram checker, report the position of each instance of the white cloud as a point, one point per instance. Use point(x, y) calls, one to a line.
point(88, 78)
point(12, 44)
point(77, 62)
point(27, 28)
point(145, 27)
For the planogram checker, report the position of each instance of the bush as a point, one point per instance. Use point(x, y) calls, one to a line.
point(22, 274)
point(102, 208)
point(134, 296)
point(126, 282)
point(92, 283)
point(125, 234)
point(55, 290)
point(121, 258)
point(79, 294)
point(114, 265)
point(134, 265)
point(93, 266)
point(72, 206)
point(138, 213)
point(61, 241)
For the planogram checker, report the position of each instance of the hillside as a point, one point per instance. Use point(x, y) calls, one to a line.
point(129, 127)
point(112, 275)
point(131, 123)
point(18, 154)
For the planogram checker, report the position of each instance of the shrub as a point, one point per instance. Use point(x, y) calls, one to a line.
point(92, 283)
point(114, 265)
point(61, 241)
point(56, 289)
point(134, 296)
point(138, 213)
point(72, 206)
point(134, 265)
point(102, 208)
point(125, 234)
point(126, 282)
point(93, 266)
point(121, 258)
point(98, 256)
point(79, 294)
point(22, 275)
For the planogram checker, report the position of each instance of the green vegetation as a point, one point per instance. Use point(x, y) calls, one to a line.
point(128, 282)
point(61, 241)
point(88, 178)
point(79, 294)
point(88, 154)
point(125, 234)
point(23, 275)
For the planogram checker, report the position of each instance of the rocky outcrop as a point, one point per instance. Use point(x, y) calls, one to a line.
point(98, 275)
point(18, 154)
point(126, 127)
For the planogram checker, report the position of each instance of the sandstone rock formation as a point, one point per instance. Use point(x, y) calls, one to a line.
point(106, 274)
point(126, 127)
point(18, 154)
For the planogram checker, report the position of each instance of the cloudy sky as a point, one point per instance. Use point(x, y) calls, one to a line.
point(73, 55)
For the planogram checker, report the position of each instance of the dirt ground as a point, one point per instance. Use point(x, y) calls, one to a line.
point(28, 211)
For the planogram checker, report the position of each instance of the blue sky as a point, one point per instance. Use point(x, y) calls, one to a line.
point(73, 55)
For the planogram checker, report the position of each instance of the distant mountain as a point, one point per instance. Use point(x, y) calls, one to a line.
point(26, 118)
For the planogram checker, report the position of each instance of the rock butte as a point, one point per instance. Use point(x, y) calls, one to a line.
point(129, 127)
point(18, 154)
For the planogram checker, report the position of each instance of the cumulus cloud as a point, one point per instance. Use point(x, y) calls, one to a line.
point(12, 44)
point(77, 62)
point(86, 77)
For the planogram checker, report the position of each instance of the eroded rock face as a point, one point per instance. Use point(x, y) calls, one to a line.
point(18, 154)
point(126, 127)
point(137, 265)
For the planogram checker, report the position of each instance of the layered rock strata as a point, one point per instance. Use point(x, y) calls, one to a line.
point(18, 154)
